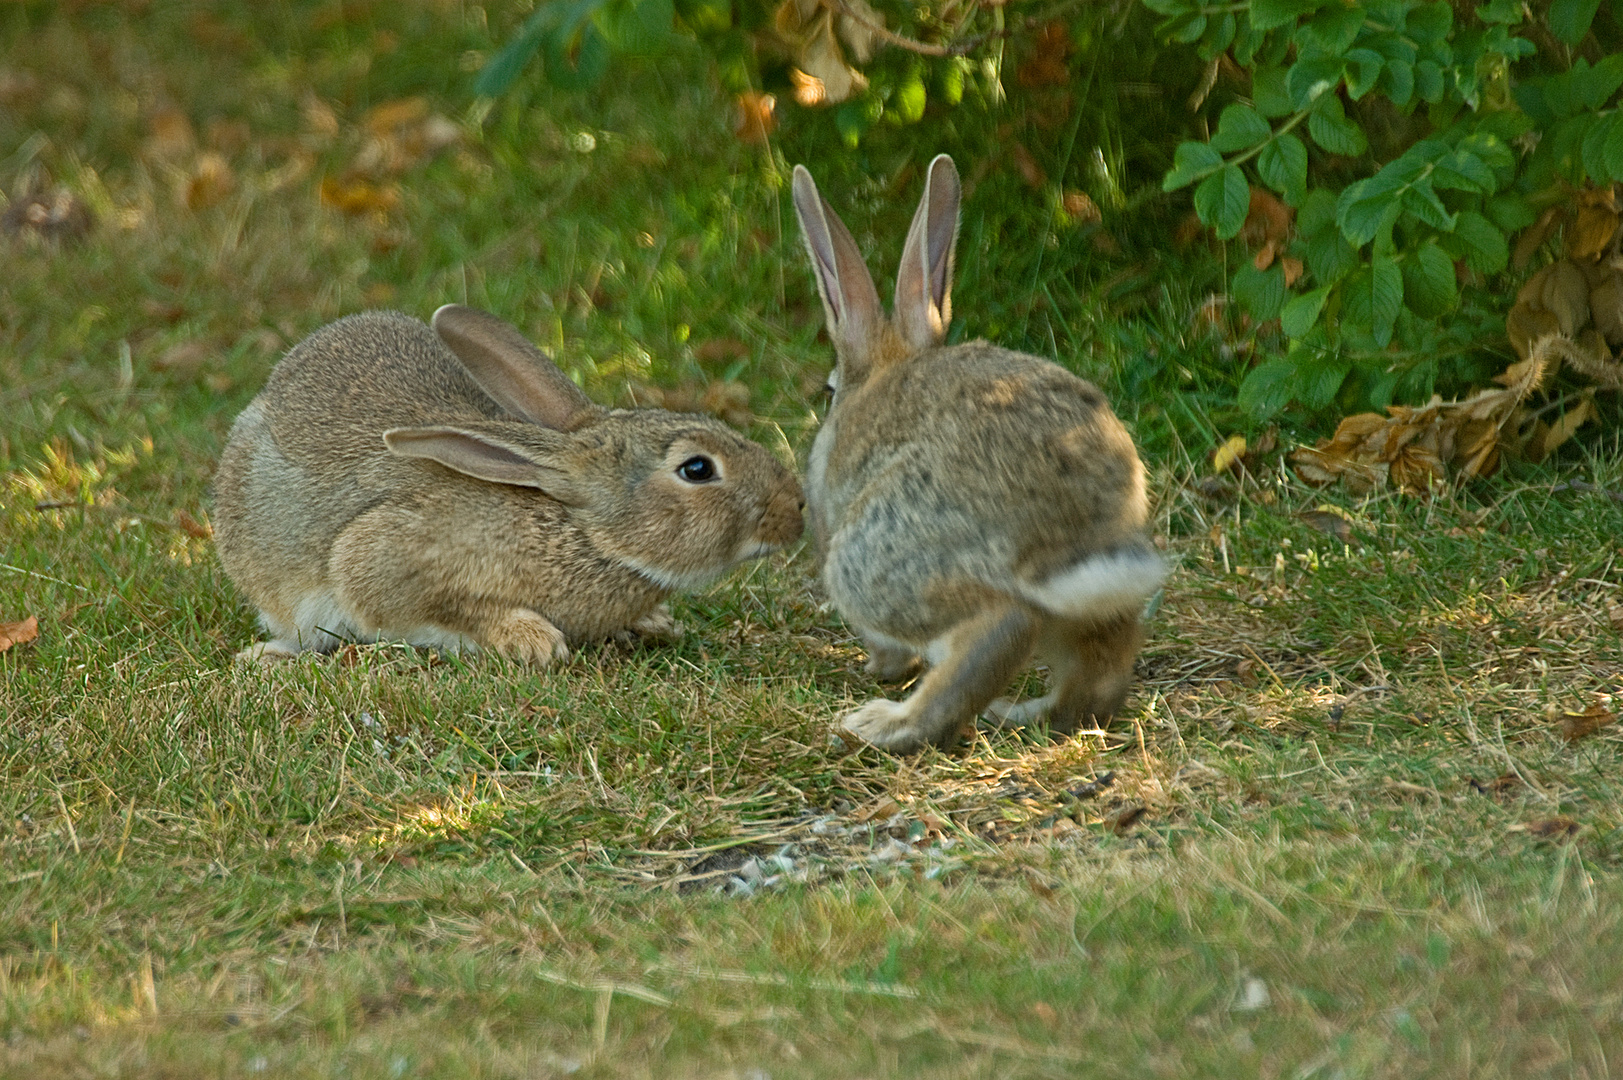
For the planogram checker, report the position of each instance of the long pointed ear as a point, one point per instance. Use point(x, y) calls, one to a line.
point(923, 307)
point(519, 376)
point(487, 457)
point(850, 301)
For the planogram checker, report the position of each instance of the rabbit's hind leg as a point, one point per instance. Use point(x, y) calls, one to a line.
point(973, 662)
point(1091, 667)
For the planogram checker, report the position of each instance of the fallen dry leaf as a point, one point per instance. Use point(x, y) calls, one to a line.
point(1230, 455)
point(1329, 521)
point(18, 633)
point(1581, 725)
point(192, 527)
point(1081, 208)
point(1554, 828)
point(357, 196)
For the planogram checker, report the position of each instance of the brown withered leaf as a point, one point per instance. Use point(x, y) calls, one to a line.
point(210, 181)
point(1330, 521)
point(1565, 295)
point(1046, 65)
point(1081, 208)
point(757, 116)
point(355, 195)
point(385, 118)
point(170, 134)
point(1547, 436)
point(1031, 172)
point(1535, 235)
point(1581, 725)
point(1592, 232)
point(18, 633)
point(1267, 221)
point(1606, 308)
point(1526, 324)
point(1555, 829)
point(1122, 820)
point(1293, 269)
point(809, 89)
point(192, 527)
point(719, 350)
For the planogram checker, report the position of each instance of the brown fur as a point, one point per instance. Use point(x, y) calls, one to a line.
point(335, 531)
point(971, 504)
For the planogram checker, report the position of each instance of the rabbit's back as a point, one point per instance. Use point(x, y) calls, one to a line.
point(996, 455)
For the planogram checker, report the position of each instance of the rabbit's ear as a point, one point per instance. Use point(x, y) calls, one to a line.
point(486, 457)
point(519, 376)
point(850, 301)
point(923, 307)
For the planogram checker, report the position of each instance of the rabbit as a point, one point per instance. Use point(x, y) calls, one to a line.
point(972, 506)
point(450, 487)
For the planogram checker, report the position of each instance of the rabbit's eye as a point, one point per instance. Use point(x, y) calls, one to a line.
point(697, 470)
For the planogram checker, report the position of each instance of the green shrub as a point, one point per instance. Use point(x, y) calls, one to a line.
point(1413, 140)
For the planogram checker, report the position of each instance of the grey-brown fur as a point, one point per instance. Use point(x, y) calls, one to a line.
point(377, 489)
point(972, 505)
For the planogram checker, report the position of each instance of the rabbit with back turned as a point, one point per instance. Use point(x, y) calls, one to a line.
point(451, 487)
point(972, 506)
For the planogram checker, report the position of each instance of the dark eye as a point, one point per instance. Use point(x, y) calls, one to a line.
point(697, 470)
point(828, 391)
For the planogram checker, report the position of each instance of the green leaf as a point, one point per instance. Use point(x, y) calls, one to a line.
point(1613, 157)
point(1187, 29)
point(1330, 128)
point(1319, 382)
point(1335, 28)
point(1268, 92)
point(1428, 81)
point(1420, 200)
point(1283, 167)
point(1510, 212)
point(1399, 76)
point(1240, 128)
point(1312, 78)
point(1222, 200)
point(1594, 147)
point(1462, 170)
point(1267, 14)
point(1190, 162)
point(1430, 22)
point(1366, 207)
point(1317, 212)
point(1386, 297)
point(1569, 19)
point(577, 60)
point(504, 68)
point(1329, 257)
point(1268, 388)
point(638, 27)
point(1592, 87)
point(1507, 12)
point(1363, 72)
point(1486, 251)
point(1171, 7)
point(1298, 316)
point(1429, 286)
point(1261, 292)
point(910, 98)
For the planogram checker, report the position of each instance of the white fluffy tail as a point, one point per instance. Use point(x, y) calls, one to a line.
point(1102, 586)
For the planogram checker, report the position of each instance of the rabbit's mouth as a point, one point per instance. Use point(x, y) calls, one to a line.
point(755, 549)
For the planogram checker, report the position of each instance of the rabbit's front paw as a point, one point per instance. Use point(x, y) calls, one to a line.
point(527, 637)
point(266, 652)
point(885, 724)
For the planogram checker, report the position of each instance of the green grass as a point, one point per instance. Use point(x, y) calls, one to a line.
point(1341, 834)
